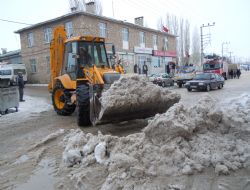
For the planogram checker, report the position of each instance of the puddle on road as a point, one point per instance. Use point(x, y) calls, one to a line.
point(41, 179)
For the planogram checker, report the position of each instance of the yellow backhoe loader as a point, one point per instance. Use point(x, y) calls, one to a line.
point(80, 70)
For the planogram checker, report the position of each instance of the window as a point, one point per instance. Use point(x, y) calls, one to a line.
point(69, 29)
point(16, 71)
point(48, 64)
point(30, 40)
point(33, 65)
point(155, 40)
point(156, 61)
point(142, 38)
point(5, 72)
point(165, 42)
point(47, 35)
point(125, 36)
point(100, 57)
point(103, 29)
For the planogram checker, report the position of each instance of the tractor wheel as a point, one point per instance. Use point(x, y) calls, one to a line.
point(59, 101)
point(83, 105)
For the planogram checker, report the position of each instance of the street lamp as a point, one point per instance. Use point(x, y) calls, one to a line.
point(222, 48)
point(202, 49)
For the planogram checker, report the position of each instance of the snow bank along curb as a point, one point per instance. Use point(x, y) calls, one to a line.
point(182, 141)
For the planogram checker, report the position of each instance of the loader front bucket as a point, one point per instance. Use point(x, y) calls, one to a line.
point(132, 101)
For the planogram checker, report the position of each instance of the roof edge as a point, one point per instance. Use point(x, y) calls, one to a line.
point(91, 15)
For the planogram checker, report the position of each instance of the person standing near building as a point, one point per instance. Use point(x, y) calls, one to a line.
point(238, 73)
point(20, 84)
point(135, 68)
point(145, 69)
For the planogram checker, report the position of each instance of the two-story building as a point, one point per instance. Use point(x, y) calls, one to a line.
point(135, 44)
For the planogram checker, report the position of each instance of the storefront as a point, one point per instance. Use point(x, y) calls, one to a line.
point(143, 55)
point(161, 61)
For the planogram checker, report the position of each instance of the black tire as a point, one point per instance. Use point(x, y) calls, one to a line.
point(220, 86)
point(180, 85)
point(189, 89)
point(59, 101)
point(83, 105)
point(208, 88)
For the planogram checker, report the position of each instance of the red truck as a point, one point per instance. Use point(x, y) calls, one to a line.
point(216, 65)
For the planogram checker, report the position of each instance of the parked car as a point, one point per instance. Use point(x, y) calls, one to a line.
point(152, 77)
point(205, 81)
point(164, 79)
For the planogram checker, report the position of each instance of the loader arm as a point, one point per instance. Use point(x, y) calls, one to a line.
point(94, 76)
point(56, 54)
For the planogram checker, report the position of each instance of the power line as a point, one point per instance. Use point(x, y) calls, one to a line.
point(16, 22)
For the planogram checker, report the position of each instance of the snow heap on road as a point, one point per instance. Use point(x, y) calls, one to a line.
point(133, 96)
point(182, 141)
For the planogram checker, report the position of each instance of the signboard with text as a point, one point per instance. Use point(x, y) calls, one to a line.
point(164, 53)
point(143, 50)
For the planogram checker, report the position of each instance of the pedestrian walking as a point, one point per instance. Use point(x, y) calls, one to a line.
point(234, 73)
point(231, 74)
point(238, 73)
point(145, 69)
point(20, 84)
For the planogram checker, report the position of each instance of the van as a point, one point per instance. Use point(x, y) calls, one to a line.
point(10, 71)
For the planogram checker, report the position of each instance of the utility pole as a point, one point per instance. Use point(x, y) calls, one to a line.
point(222, 48)
point(230, 56)
point(113, 9)
point(202, 39)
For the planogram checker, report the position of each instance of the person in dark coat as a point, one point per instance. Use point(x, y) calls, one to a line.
point(168, 69)
point(145, 69)
point(20, 84)
point(231, 74)
point(135, 68)
point(234, 73)
point(238, 73)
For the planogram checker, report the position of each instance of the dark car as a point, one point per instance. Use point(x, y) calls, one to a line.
point(164, 79)
point(205, 81)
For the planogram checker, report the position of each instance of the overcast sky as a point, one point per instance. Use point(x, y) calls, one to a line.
point(232, 18)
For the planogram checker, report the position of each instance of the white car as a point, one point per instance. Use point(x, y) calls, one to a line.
point(152, 77)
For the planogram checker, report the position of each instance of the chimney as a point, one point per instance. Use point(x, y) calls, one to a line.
point(139, 21)
point(90, 7)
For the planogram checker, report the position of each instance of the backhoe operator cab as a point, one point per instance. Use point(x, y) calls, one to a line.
point(79, 71)
point(80, 55)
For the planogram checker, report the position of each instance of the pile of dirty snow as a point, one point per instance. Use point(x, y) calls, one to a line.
point(182, 141)
point(133, 96)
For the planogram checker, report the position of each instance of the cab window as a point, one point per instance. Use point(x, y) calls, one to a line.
point(70, 53)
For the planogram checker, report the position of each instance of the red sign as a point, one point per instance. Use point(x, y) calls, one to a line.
point(164, 53)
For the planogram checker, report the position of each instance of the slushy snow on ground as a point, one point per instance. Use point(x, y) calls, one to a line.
point(31, 107)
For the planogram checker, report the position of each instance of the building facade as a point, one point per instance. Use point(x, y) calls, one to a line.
point(11, 57)
point(134, 43)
